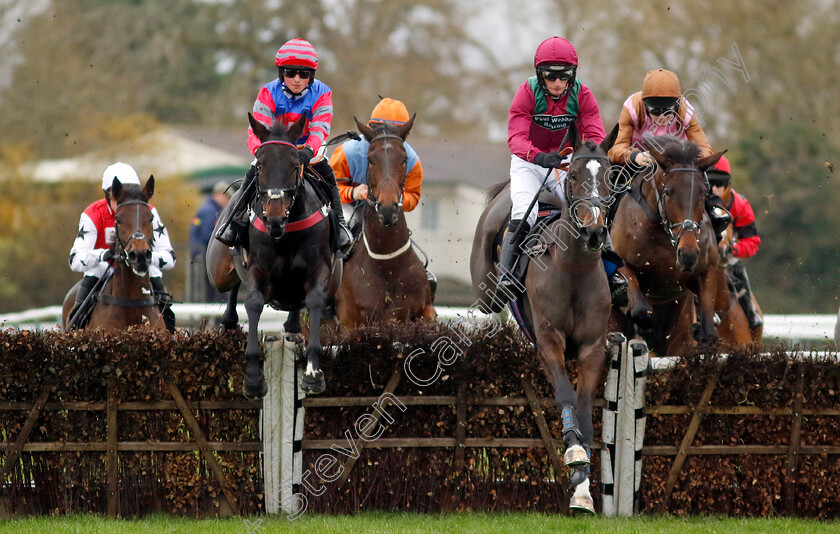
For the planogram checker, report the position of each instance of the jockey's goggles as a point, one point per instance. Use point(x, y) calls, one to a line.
point(656, 108)
point(552, 75)
point(291, 72)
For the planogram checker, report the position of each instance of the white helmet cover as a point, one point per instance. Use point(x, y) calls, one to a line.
point(124, 172)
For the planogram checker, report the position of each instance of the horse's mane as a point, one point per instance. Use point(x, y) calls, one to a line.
point(676, 149)
point(278, 131)
point(494, 190)
point(133, 192)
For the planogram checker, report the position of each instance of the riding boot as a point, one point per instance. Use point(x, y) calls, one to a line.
point(745, 296)
point(618, 283)
point(75, 318)
point(232, 230)
point(718, 215)
point(510, 253)
point(164, 301)
point(432, 283)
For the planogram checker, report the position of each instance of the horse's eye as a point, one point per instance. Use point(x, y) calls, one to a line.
point(573, 176)
point(666, 192)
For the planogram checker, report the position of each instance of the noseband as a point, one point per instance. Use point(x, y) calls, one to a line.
point(279, 193)
point(688, 225)
point(373, 196)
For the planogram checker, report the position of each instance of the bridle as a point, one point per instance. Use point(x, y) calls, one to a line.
point(279, 193)
point(593, 203)
point(137, 235)
point(373, 196)
point(688, 225)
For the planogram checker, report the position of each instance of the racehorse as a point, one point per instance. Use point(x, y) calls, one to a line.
point(383, 278)
point(126, 296)
point(665, 238)
point(566, 299)
point(734, 328)
point(289, 261)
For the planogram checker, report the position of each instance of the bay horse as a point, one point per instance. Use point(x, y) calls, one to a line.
point(289, 262)
point(566, 299)
point(664, 236)
point(734, 328)
point(383, 277)
point(126, 296)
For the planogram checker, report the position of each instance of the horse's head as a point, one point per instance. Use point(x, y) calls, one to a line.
point(278, 172)
point(134, 235)
point(588, 190)
point(386, 168)
point(681, 189)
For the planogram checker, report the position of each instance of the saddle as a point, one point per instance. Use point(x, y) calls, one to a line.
point(547, 213)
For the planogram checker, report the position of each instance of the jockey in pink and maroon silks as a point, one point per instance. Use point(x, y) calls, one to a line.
point(542, 110)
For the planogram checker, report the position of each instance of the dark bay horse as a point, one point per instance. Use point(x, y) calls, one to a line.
point(289, 262)
point(665, 238)
point(126, 298)
point(734, 328)
point(383, 278)
point(566, 303)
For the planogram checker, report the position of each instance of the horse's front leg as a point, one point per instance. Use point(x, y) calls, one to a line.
point(230, 319)
point(254, 385)
point(312, 382)
point(640, 310)
point(293, 328)
point(707, 334)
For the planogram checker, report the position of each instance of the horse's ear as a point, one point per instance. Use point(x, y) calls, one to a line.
point(149, 189)
point(654, 147)
point(574, 137)
point(296, 129)
point(116, 190)
point(366, 130)
point(259, 128)
point(709, 161)
point(403, 130)
point(609, 140)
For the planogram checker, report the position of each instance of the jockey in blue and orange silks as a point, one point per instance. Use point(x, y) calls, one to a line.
point(541, 112)
point(660, 109)
point(293, 94)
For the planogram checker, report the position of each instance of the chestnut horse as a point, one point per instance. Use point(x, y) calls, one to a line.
point(665, 238)
point(734, 328)
point(566, 299)
point(289, 259)
point(383, 278)
point(124, 296)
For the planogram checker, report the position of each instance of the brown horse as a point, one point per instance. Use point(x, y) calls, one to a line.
point(126, 297)
point(383, 278)
point(734, 328)
point(566, 299)
point(289, 259)
point(665, 238)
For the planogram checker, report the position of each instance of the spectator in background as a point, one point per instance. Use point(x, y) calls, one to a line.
point(201, 232)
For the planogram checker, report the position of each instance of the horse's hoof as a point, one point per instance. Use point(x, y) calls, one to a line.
point(292, 337)
point(313, 384)
point(223, 328)
point(582, 500)
point(575, 455)
point(643, 317)
point(254, 390)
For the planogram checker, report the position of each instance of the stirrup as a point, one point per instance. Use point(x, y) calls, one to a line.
point(232, 234)
point(618, 289)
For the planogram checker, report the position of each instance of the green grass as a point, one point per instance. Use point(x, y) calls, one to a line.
point(399, 523)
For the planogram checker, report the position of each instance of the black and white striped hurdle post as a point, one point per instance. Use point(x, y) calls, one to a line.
point(282, 430)
point(623, 430)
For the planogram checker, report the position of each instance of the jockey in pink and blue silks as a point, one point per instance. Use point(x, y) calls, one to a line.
point(294, 93)
point(542, 110)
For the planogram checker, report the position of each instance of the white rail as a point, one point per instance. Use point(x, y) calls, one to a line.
point(788, 327)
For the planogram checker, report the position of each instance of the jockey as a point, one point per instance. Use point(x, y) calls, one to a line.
point(295, 92)
point(542, 110)
point(91, 253)
point(660, 109)
point(349, 161)
point(746, 241)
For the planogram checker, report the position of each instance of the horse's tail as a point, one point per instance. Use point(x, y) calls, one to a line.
point(494, 190)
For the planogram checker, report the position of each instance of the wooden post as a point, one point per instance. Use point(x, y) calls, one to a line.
point(679, 460)
point(13, 454)
point(548, 440)
point(351, 462)
point(112, 458)
point(460, 429)
point(197, 433)
point(793, 451)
